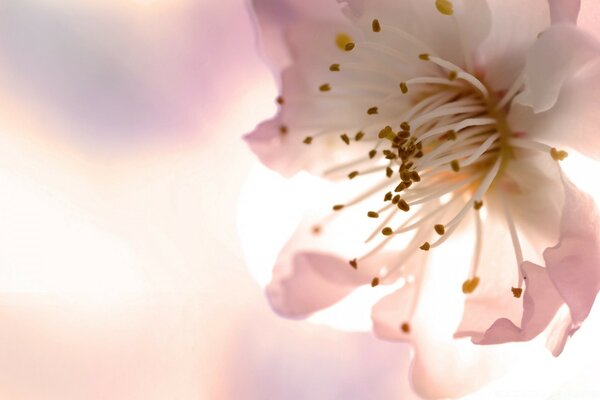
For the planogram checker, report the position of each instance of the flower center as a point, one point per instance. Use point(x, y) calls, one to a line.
point(436, 134)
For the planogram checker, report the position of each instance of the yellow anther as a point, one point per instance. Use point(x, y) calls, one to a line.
point(376, 26)
point(517, 292)
point(439, 228)
point(308, 140)
point(387, 231)
point(452, 75)
point(558, 155)
point(372, 154)
point(349, 46)
point(470, 285)
point(372, 214)
point(334, 67)
point(405, 126)
point(375, 282)
point(444, 6)
point(425, 246)
point(424, 57)
point(455, 166)
point(387, 133)
point(338, 207)
point(477, 205)
point(359, 135)
point(325, 87)
point(389, 172)
point(373, 110)
point(341, 40)
point(345, 138)
point(403, 87)
point(353, 174)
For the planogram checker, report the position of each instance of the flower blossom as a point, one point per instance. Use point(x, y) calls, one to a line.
point(445, 120)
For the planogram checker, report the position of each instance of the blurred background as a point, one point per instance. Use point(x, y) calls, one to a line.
point(121, 166)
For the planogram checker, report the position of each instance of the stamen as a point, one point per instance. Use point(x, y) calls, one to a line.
point(334, 67)
point(444, 6)
point(515, 240)
point(279, 100)
point(283, 130)
point(470, 285)
point(308, 140)
point(462, 74)
point(517, 292)
point(372, 110)
point(425, 246)
point(376, 26)
point(345, 138)
point(349, 46)
point(354, 263)
point(372, 214)
point(439, 228)
point(325, 87)
point(353, 174)
point(341, 40)
point(455, 166)
point(405, 327)
point(375, 282)
point(403, 87)
point(558, 155)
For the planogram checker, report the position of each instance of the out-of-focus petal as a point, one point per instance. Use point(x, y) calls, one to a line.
point(557, 55)
point(564, 10)
point(574, 263)
point(573, 120)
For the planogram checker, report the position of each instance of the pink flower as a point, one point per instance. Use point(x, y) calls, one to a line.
point(447, 120)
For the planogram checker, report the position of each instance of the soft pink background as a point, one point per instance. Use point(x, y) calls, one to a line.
point(121, 165)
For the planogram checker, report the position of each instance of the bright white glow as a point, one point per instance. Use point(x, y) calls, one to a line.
point(56, 248)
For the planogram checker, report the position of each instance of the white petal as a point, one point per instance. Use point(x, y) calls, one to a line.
point(574, 119)
point(556, 56)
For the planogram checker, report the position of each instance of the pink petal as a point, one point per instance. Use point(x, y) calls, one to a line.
point(442, 367)
point(315, 281)
point(573, 120)
point(275, 16)
point(564, 10)
point(455, 38)
point(574, 263)
point(540, 303)
point(571, 276)
point(515, 27)
point(556, 56)
point(498, 274)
